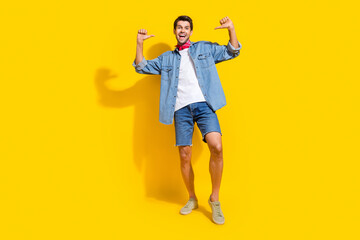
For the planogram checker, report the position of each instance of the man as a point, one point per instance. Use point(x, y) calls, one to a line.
point(191, 92)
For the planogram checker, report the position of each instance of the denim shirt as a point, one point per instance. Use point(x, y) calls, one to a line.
point(204, 55)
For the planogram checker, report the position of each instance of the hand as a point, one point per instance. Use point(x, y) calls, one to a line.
point(226, 23)
point(142, 35)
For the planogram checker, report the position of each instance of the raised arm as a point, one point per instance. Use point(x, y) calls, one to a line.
point(228, 24)
point(142, 65)
point(141, 37)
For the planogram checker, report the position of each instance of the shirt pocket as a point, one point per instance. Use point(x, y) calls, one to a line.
point(205, 60)
point(166, 72)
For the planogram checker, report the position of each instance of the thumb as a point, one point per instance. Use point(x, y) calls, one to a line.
point(220, 27)
point(149, 36)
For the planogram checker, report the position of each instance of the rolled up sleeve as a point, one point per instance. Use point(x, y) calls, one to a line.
point(140, 65)
point(224, 52)
point(234, 50)
point(148, 66)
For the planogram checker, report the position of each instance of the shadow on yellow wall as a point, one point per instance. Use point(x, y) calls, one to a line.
point(155, 154)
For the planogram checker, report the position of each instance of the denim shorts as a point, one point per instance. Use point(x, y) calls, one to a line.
point(185, 118)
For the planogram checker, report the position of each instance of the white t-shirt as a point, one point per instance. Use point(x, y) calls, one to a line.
point(188, 88)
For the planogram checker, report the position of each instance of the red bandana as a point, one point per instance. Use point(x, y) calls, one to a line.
point(185, 45)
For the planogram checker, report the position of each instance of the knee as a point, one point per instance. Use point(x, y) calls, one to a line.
point(185, 155)
point(216, 149)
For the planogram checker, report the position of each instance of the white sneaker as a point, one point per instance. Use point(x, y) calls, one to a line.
point(217, 214)
point(190, 205)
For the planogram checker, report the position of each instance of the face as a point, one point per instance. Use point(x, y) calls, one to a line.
point(182, 32)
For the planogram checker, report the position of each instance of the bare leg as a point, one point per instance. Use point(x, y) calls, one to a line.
point(216, 162)
point(187, 170)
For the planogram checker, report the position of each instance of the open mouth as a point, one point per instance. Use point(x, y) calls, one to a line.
point(182, 36)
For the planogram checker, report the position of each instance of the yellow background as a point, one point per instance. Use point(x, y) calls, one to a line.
point(83, 155)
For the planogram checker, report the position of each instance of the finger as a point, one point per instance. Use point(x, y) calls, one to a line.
point(149, 36)
point(220, 27)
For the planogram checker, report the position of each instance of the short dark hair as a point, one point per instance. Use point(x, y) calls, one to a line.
point(184, 18)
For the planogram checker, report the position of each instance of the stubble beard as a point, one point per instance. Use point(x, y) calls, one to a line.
point(185, 40)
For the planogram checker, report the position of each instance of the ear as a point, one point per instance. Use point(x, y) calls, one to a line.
point(174, 31)
point(191, 32)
